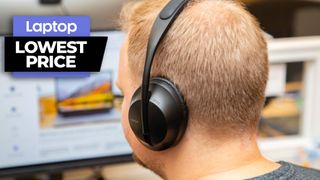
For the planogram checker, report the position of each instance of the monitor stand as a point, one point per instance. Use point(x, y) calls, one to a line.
point(97, 173)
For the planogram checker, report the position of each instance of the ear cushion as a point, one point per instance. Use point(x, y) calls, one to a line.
point(168, 115)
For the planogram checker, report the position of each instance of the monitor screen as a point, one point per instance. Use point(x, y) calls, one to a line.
point(48, 120)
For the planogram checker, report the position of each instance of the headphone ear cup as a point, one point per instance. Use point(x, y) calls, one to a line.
point(167, 113)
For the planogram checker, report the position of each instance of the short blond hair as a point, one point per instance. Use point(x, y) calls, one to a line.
point(215, 53)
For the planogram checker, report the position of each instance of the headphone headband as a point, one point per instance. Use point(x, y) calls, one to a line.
point(158, 31)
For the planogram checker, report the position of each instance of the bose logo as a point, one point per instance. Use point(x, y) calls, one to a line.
point(134, 120)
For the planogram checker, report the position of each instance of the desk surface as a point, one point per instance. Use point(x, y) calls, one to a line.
point(127, 171)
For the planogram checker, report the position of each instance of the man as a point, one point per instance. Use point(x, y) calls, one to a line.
point(216, 55)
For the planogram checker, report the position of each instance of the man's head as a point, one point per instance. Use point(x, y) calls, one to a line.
point(214, 53)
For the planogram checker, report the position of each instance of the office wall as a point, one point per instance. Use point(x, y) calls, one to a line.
point(304, 25)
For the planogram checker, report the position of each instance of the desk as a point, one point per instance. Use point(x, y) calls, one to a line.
point(127, 171)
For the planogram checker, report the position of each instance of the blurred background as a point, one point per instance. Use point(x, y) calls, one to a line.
point(71, 124)
point(282, 18)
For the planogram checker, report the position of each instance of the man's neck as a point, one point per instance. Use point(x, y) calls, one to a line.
point(232, 159)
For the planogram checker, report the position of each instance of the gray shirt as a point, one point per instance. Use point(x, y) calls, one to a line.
point(288, 171)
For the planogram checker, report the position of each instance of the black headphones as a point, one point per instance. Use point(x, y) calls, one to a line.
point(158, 114)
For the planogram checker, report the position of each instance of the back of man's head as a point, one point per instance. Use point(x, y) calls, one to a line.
point(214, 53)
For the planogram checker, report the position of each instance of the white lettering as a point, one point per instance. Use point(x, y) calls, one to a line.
point(71, 62)
point(53, 26)
point(47, 27)
point(28, 27)
point(31, 60)
point(37, 27)
point(47, 47)
point(18, 51)
point(62, 27)
point(72, 47)
point(82, 43)
point(61, 47)
point(27, 47)
point(72, 27)
point(43, 61)
point(56, 62)
point(51, 61)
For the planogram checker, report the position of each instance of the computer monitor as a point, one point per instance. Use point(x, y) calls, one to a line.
point(53, 124)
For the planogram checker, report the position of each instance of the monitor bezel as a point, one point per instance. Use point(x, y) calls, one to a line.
point(58, 167)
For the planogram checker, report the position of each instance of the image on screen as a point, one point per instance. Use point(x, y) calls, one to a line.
point(84, 96)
